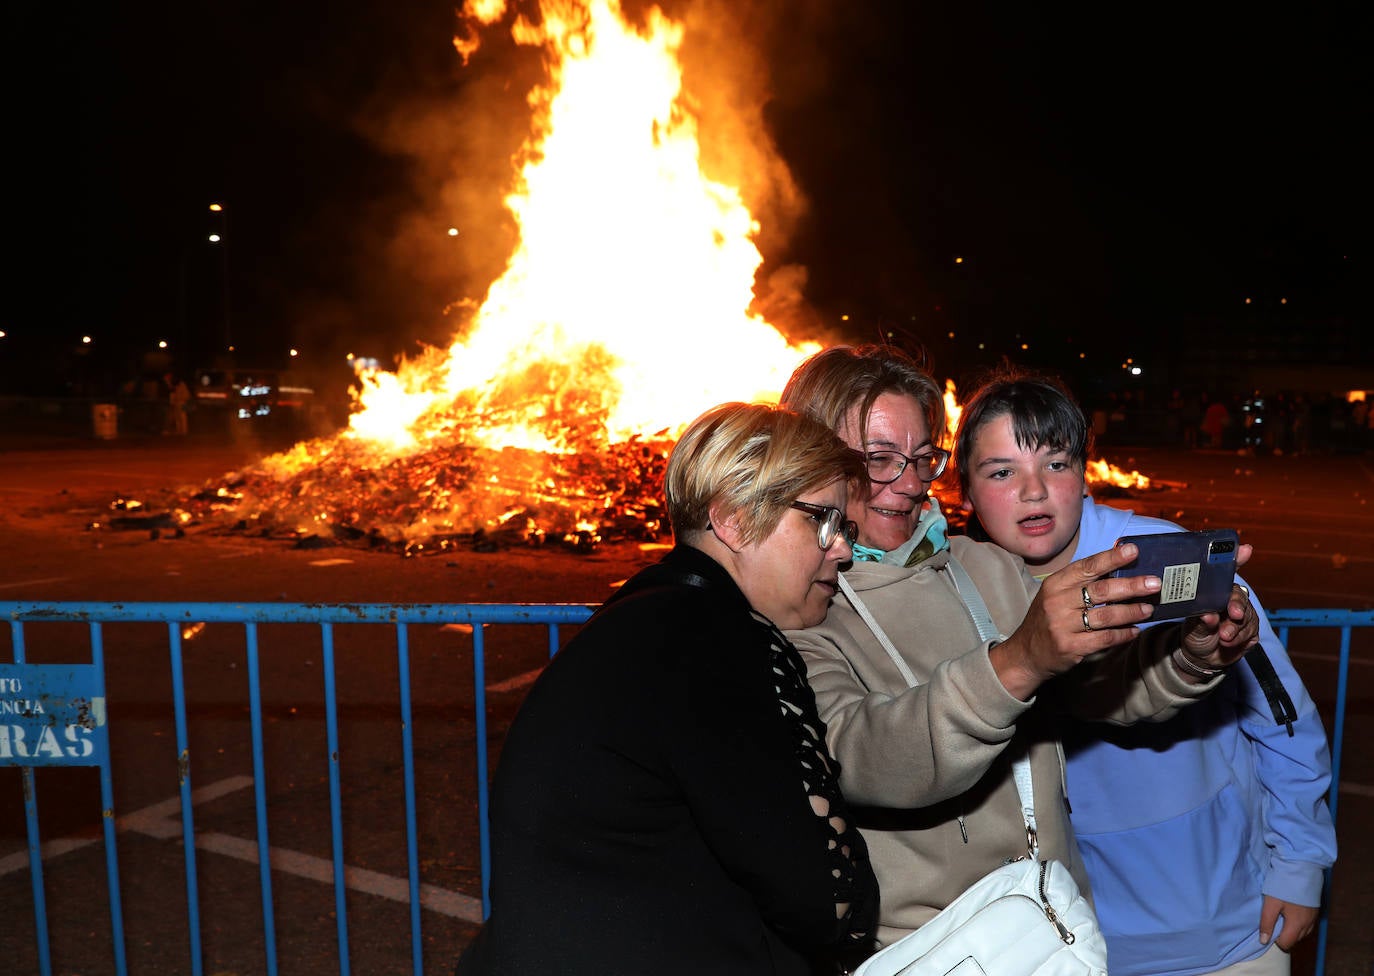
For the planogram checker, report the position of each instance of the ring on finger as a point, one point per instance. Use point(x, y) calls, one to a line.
point(1087, 600)
point(1086, 624)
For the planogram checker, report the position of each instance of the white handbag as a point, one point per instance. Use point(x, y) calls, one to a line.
point(1025, 918)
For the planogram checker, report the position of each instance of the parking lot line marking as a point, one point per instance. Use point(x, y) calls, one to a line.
point(149, 820)
point(19, 860)
point(34, 582)
point(519, 681)
point(432, 897)
point(162, 821)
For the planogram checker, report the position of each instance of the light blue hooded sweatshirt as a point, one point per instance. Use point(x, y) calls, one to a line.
point(1185, 824)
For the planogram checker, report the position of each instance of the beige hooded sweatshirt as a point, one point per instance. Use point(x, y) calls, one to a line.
point(928, 769)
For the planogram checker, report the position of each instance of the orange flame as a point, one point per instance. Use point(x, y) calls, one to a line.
point(953, 410)
point(625, 304)
point(1103, 472)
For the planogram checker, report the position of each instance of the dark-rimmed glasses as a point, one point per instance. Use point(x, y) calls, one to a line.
point(885, 467)
point(831, 524)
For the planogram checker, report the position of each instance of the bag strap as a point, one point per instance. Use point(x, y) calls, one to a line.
point(861, 608)
point(973, 600)
point(982, 619)
point(1280, 703)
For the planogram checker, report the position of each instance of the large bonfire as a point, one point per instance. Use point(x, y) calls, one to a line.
point(623, 313)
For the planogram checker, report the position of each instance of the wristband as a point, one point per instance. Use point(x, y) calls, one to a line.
point(1186, 665)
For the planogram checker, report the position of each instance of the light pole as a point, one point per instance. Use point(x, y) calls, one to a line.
point(221, 240)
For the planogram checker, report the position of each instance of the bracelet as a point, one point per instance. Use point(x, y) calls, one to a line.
point(1186, 665)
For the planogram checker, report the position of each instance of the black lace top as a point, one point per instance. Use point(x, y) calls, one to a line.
point(820, 779)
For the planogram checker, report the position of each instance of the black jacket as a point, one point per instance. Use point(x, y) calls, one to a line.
point(652, 811)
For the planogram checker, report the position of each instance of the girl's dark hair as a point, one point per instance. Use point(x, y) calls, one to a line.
point(1043, 414)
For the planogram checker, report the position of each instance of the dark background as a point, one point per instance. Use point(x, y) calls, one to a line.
point(1117, 181)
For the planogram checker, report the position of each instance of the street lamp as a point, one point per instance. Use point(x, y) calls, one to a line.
point(221, 240)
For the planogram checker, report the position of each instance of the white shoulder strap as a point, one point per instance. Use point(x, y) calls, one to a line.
point(862, 610)
point(978, 610)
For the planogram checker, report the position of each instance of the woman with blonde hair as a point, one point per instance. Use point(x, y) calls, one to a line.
point(665, 801)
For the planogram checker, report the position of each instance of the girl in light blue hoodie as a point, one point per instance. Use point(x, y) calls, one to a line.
point(1205, 836)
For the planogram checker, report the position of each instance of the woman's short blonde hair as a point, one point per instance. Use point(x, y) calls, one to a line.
point(754, 459)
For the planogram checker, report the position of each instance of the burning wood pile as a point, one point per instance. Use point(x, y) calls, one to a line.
point(450, 496)
point(443, 497)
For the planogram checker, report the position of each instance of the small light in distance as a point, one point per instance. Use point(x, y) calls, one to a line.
point(162, 343)
point(214, 238)
point(86, 340)
point(1283, 301)
point(295, 353)
point(958, 260)
point(1247, 301)
point(1025, 346)
point(215, 208)
point(453, 232)
point(1136, 371)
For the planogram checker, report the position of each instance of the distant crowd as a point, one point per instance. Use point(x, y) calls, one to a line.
point(1262, 423)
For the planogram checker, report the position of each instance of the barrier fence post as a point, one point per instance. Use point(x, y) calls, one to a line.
point(54, 715)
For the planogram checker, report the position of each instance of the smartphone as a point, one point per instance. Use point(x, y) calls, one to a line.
point(1196, 570)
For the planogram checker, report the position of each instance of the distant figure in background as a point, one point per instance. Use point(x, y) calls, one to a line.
point(1215, 419)
point(1206, 835)
point(665, 802)
point(178, 399)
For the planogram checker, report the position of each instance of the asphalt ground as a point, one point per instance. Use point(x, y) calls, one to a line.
point(1307, 516)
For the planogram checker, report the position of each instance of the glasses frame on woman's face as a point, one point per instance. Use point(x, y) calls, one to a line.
point(831, 524)
point(885, 467)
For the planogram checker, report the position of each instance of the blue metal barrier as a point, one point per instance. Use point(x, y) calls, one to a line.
point(20, 681)
point(1344, 621)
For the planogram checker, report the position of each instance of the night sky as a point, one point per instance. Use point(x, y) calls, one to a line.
point(1103, 172)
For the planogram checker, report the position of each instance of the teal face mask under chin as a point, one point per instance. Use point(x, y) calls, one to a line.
point(931, 529)
point(866, 554)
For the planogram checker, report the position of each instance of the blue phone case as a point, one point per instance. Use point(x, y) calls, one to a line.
point(1197, 570)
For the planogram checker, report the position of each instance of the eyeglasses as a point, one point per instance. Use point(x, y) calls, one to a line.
point(832, 524)
point(885, 467)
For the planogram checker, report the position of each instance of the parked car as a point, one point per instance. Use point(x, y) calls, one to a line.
point(266, 397)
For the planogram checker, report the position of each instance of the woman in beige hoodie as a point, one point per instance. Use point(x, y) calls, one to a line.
point(925, 746)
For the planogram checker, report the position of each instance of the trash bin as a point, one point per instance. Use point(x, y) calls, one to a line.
point(105, 417)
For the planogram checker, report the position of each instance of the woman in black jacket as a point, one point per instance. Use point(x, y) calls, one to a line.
point(665, 803)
